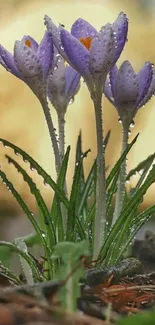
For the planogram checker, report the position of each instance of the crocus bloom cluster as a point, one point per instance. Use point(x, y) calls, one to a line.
point(63, 84)
point(90, 52)
point(30, 62)
point(128, 91)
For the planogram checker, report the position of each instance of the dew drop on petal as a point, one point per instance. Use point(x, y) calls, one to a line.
point(140, 172)
point(129, 132)
point(119, 120)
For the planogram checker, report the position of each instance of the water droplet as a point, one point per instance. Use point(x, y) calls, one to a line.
point(132, 124)
point(71, 101)
point(56, 67)
point(43, 235)
point(32, 168)
point(77, 164)
point(127, 182)
point(140, 172)
point(6, 146)
point(62, 48)
point(129, 132)
point(46, 184)
point(119, 120)
point(25, 160)
point(17, 153)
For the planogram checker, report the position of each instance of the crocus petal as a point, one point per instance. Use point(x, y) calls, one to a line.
point(76, 52)
point(45, 52)
point(55, 32)
point(102, 51)
point(56, 85)
point(72, 82)
point(26, 60)
point(112, 76)
point(7, 61)
point(126, 87)
point(108, 92)
point(82, 29)
point(120, 27)
point(150, 92)
point(144, 79)
point(32, 43)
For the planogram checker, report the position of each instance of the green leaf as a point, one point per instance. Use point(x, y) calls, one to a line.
point(40, 201)
point(28, 213)
point(57, 209)
point(79, 159)
point(124, 221)
point(145, 318)
point(35, 166)
point(19, 242)
point(137, 221)
point(78, 156)
point(141, 166)
point(7, 273)
point(117, 166)
point(72, 218)
point(72, 270)
point(106, 139)
point(110, 193)
point(14, 249)
point(87, 189)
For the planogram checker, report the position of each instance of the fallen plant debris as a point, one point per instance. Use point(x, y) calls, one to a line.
point(129, 295)
point(16, 308)
point(108, 301)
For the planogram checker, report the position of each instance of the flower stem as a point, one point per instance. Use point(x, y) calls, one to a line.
point(61, 131)
point(61, 127)
point(100, 218)
point(121, 180)
point(52, 134)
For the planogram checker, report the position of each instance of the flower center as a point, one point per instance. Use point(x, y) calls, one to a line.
point(86, 42)
point(28, 43)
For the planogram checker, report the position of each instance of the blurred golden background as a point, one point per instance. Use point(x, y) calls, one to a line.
point(21, 118)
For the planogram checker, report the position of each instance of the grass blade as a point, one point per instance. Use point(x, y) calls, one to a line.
point(57, 209)
point(28, 259)
point(40, 201)
point(117, 166)
point(35, 166)
point(136, 224)
point(28, 213)
point(141, 166)
point(133, 202)
point(72, 210)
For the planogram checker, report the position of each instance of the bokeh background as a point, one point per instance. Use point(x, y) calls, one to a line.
point(21, 118)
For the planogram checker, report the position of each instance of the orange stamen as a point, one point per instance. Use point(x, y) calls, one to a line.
point(86, 42)
point(28, 43)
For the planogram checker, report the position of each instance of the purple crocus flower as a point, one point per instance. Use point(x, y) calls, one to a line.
point(90, 52)
point(63, 84)
point(128, 91)
point(30, 62)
